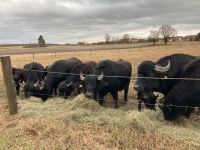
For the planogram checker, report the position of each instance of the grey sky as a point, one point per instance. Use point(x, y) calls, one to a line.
point(62, 21)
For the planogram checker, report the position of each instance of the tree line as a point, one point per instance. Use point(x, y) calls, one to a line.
point(164, 33)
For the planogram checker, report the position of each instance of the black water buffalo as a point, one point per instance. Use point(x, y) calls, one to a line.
point(46, 72)
point(100, 82)
point(169, 66)
point(184, 96)
point(47, 69)
point(56, 75)
point(73, 81)
point(18, 77)
point(34, 74)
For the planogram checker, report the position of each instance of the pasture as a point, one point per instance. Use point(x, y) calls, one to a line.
point(79, 123)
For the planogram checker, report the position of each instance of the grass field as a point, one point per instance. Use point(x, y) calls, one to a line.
point(79, 123)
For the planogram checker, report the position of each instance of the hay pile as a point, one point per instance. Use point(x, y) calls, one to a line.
point(80, 123)
point(83, 110)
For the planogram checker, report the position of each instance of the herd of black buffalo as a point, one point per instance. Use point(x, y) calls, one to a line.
point(176, 76)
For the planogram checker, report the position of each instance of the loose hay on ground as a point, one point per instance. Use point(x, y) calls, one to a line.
point(82, 122)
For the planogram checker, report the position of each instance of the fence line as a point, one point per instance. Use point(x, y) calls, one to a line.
point(54, 54)
point(117, 51)
point(133, 78)
point(136, 103)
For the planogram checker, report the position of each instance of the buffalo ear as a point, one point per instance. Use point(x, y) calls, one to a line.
point(13, 70)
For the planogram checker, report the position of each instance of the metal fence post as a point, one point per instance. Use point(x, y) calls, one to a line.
point(9, 84)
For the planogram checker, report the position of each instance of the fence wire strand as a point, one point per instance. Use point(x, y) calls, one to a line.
point(136, 103)
point(133, 77)
point(108, 76)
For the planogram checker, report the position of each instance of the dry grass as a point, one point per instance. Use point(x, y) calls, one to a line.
point(79, 123)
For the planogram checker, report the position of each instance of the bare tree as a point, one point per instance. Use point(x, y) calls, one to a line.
point(125, 38)
point(154, 36)
point(41, 41)
point(167, 31)
point(107, 38)
point(198, 36)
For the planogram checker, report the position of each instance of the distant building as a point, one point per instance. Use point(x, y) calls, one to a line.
point(190, 38)
point(141, 40)
point(177, 38)
point(133, 40)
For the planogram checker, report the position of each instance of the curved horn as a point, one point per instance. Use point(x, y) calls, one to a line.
point(136, 86)
point(101, 76)
point(163, 69)
point(21, 84)
point(37, 83)
point(41, 85)
point(81, 76)
point(69, 84)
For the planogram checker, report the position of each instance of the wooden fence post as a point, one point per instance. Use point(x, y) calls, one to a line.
point(9, 84)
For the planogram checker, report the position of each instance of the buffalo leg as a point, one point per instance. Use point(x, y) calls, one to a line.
point(100, 99)
point(17, 90)
point(79, 90)
point(188, 112)
point(139, 104)
point(95, 95)
point(126, 96)
point(115, 97)
point(55, 92)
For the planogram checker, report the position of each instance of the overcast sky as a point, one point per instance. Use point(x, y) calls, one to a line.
point(62, 21)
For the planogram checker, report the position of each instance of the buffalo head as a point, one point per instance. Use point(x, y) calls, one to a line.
point(90, 83)
point(32, 87)
point(65, 89)
point(147, 83)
